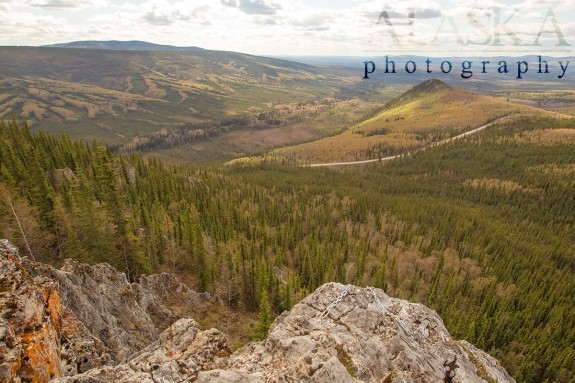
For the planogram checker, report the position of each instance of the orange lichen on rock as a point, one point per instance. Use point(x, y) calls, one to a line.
point(35, 328)
point(55, 308)
point(29, 321)
point(41, 357)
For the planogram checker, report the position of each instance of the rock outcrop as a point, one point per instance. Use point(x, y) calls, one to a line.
point(358, 340)
point(104, 301)
point(125, 316)
point(40, 339)
point(64, 322)
point(181, 353)
point(87, 324)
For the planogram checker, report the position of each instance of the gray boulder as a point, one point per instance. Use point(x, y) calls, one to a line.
point(365, 337)
point(360, 339)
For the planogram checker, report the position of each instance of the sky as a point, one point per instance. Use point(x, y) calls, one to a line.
point(303, 27)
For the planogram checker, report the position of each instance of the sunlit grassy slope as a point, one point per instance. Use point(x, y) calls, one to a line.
point(115, 96)
point(429, 112)
point(311, 124)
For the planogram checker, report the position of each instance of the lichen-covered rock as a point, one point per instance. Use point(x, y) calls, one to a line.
point(39, 338)
point(361, 340)
point(80, 351)
point(166, 299)
point(104, 301)
point(181, 353)
point(125, 316)
point(487, 366)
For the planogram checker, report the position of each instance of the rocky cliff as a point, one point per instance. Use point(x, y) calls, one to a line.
point(86, 324)
point(39, 337)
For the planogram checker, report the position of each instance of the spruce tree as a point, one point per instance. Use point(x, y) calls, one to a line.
point(265, 318)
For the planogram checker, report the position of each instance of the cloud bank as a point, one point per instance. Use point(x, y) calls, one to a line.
point(283, 27)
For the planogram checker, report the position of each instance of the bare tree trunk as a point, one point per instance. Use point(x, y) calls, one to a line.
point(9, 200)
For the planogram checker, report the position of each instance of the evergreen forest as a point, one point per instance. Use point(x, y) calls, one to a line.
point(481, 229)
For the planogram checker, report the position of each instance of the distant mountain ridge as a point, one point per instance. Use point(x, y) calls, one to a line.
point(134, 45)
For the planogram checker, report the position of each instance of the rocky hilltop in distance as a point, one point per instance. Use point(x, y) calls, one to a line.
point(88, 324)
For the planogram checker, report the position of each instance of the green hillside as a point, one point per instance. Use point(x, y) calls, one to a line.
point(426, 114)
point(125, 97)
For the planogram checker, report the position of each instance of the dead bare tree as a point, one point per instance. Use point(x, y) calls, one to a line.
point(9, 200)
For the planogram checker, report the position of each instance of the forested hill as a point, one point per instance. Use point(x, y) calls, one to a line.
point(430, 112)
point(121, 45)
point(481, 229)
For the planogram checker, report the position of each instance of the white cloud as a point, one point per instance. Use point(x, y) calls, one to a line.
point(161, 12)
point(158, 13)
point(25, 28)
point(29, 20)
point(481, 4)
point(67, 4)
point(314, 21)
point(535, 15)
point(556, 5)
point(266, 20)
point(254, 7)
point(423, 9)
